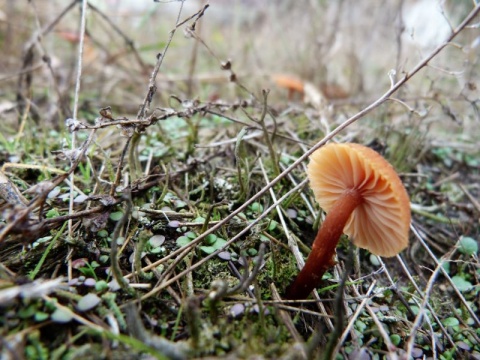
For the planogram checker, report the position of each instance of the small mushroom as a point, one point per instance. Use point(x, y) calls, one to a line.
point(364, 198)
point(289, 82)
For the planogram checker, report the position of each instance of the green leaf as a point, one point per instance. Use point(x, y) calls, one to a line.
point(115, 216)
point(207, 249)
point(396, 339)
point(36, 351)
point(102, 233)
point(415, 309)
point(199, 220)
point(461, 284)
point(120, 240)
point(256, 207)
point(44, 239)
point(41, 316)
point(360, 325)
point(191, 235)
point(468, 246)
point(451, 321)
point(179, 204)
point(51, 305)
point(101, 285)
point(52, 213)
point(210, 239)
point(182, 241)
point(156, 250)
point(264, 238)
point(219, 243)
point(272, 225)
point(446, 266)
point(27, 312)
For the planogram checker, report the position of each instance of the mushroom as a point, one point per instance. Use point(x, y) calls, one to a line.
point(291, 83)
point(364, 198)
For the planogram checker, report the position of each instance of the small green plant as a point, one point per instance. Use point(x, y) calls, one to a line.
point(88, 269)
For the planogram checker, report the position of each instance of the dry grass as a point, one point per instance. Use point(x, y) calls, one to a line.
point(170, 212)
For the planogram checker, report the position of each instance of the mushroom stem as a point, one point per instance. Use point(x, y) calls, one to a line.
point(322, 256)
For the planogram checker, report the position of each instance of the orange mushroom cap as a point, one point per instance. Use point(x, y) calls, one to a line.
point(381, 222)
point(289, 82)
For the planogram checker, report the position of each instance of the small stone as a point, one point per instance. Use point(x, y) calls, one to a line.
point(61, 316)
point(475, 355)
point(157, 240)
point(292, 213)
point(113, 285)
point(80, 199)
point(224, 255)
point(73, 282)
point(242, 261)
point(417, 352)
point(174, 224)
point(54, 193)
point(88, 302)
point(374, 260)
point(237, 310)
point(256, 309)
point(462, 345)
point(89, 282)
point(360, 354)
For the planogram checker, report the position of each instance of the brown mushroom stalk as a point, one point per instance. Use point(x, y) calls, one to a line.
point(363, 197)
point(323, 250)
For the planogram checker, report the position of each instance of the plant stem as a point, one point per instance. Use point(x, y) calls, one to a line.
point(322, 256)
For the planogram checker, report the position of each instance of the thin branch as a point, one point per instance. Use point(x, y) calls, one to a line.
point(152, 88)
point(421, 312)
point(75, 113)
point(115, 266)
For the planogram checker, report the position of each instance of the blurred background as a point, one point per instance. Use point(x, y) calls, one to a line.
point(345, 47)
